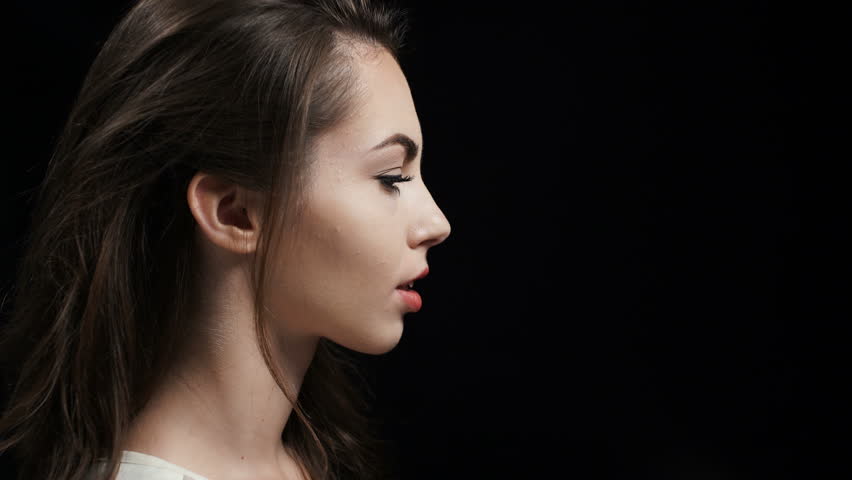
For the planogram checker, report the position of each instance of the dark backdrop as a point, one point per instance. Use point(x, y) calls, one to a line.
point(647, 275)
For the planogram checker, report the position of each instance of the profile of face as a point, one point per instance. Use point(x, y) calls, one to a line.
point(359, 238)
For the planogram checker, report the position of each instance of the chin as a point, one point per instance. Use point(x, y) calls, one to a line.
point(379, 341)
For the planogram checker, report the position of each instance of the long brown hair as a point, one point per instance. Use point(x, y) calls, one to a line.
point(238, 88)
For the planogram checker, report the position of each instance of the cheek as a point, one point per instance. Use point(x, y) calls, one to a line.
point(356, 227)
point(345, 253)
point(345, 262)
point(362, 250)
point(338, 283)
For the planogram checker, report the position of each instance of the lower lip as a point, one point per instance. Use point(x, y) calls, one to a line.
point(411, 298)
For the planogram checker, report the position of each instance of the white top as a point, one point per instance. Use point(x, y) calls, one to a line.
point(141, 466)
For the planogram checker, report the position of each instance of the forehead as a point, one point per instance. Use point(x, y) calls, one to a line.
point(383, 107)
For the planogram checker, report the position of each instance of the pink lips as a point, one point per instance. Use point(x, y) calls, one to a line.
point(418, 277)
point(411, 298)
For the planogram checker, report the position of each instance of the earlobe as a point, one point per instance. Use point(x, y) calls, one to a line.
point(221, 210)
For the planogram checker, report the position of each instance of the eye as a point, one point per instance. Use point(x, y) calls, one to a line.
point(389, 180)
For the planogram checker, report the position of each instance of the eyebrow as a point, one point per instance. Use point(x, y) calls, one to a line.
point(411, 147)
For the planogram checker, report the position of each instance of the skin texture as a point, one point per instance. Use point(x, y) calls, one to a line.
point(220, 413)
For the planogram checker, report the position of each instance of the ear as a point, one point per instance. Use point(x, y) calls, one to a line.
point(226, 213)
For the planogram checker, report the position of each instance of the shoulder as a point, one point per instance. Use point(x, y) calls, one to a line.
point(133, 471)
point(139, 466)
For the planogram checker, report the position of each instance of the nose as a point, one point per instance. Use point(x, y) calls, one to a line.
point(436, 230)
point(433, 227)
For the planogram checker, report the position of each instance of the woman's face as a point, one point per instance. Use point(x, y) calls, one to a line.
point(359, 240)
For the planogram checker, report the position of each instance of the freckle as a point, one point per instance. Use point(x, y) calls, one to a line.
point(242, 457)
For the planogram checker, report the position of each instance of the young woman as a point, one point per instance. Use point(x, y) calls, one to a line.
point(235, 197)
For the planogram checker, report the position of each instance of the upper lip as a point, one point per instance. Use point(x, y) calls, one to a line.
point(418, 277)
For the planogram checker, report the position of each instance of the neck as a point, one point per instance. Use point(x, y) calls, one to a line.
point(220, 413)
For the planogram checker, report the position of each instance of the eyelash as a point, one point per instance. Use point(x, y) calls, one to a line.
point(389, 180)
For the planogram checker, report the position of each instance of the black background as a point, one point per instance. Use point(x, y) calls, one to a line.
point(648, 273)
